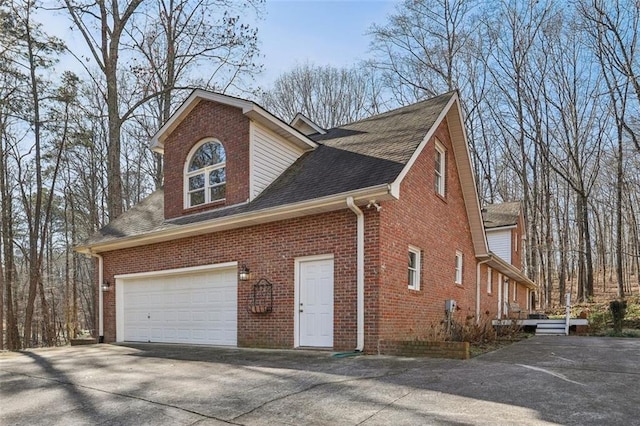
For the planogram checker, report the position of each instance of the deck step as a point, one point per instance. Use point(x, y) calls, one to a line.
point(550, 332)
point(553, 321)
point(551, 328)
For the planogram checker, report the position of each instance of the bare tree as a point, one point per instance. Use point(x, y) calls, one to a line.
point(615, 28)
point(420, 49)
point(110, 18)
point(613, 31)
point(184, 43)
point(327, 95)
point(34, 52)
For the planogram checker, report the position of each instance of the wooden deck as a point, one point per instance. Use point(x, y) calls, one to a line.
point(523, 322)
point(545, 327)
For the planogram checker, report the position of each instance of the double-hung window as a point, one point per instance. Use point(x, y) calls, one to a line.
point(414, 268)
point(458, 273)
point(440, 167)
point(205, 174)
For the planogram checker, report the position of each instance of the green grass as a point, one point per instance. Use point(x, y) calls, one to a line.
point(626, 332)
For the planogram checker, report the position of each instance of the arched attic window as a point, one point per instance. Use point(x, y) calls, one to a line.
point(205, 177)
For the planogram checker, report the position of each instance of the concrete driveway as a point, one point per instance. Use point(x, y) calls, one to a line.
point(542, 380)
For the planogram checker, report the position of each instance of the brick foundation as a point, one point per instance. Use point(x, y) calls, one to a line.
point(422, 348)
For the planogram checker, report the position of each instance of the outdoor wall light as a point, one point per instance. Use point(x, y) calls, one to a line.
point(244, 273)
point(105, 285)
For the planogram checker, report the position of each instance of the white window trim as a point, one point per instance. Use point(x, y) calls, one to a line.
point(459, 268)
point(186, 175)
point(415, 285)
point(489, 280)
point(515, 291)
point(442, 172)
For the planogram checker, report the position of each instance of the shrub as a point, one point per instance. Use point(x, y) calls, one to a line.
point(618, 310)
point(598, 320)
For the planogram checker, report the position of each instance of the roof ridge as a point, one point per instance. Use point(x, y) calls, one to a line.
point(394, 110)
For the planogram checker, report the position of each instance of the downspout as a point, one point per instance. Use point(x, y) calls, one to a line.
point(359, 273)
point(100, 296)
point(478, 288)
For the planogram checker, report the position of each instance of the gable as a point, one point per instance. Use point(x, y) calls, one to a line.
point(500, 243)
point(451, 114)
point(304, 124)
point(207, 121)
point(270, 157)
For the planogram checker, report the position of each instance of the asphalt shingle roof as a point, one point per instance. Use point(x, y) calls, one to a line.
point(498, 215)
point(355, 156)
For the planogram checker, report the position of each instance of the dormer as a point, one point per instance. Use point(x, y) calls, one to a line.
point(504, 227)
point(220, 151)
point(304, 124)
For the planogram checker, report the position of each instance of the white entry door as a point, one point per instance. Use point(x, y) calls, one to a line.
point(315, 303)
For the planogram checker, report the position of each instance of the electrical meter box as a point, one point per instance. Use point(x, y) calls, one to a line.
point(450, 305)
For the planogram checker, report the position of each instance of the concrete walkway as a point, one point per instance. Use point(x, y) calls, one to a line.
point(542, 380)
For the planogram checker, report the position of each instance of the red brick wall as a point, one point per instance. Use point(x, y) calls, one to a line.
point(488, 302)
point(269, 251)
point(438, 226)
point(522, 297)
point(207, 120)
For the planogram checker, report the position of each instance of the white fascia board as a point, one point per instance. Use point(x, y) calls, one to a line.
point(305, 208)
point(468, 179)
point(248, 108)
point(499, 228)
point(423, 143)
point(301, 117)
point(507, 269)
point(470, 196)
point(294, 136)
point(157, 140)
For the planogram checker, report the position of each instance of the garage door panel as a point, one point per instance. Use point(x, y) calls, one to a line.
point(199, 308)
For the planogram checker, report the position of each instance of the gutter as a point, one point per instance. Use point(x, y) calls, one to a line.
point(478, 286)
point(359, 273)
point(507, 269)
point(270, 214)
point(100, 296)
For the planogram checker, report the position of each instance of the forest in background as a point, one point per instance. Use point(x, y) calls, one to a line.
point(550, 92)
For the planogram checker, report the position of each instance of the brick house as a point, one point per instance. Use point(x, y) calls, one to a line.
point(280, 235)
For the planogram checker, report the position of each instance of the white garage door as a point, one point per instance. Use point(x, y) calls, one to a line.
point(195, 308)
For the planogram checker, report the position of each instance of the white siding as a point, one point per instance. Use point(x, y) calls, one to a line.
point(270, 156)
point(500, 243)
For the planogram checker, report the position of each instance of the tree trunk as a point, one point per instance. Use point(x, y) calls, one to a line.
point(13, 335)
point(34, 216)
point(588, 252)
point(581, 270)
point(114, 178)
point(619, 224)
point(1, 301)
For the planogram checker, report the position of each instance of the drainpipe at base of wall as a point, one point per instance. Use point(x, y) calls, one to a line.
point(100, 297)
point(359, 273)
point(478, 289)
